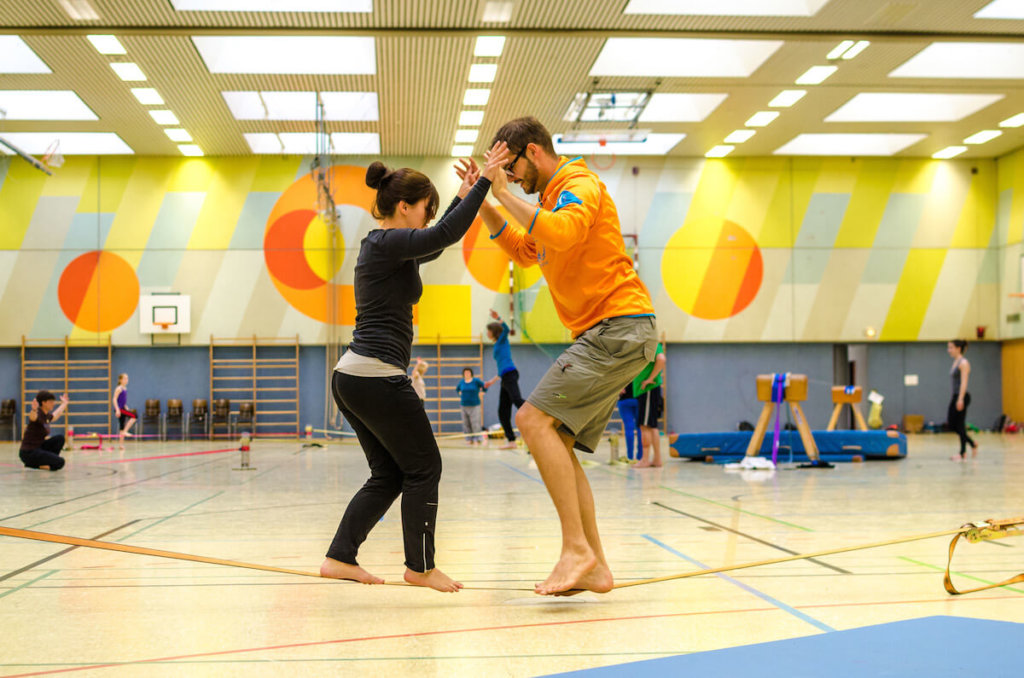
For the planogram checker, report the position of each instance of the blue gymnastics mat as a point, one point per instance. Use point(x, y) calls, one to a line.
point(833, 445)
point(931, 647)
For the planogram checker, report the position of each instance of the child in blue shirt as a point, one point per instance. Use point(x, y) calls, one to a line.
point(498, 332)
point(472, 409)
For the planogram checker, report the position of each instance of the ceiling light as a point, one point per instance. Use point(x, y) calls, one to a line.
point(1001, 9)
point(983, 136)
point(25, 104)
point(762, 119)
point(164, 117)
point(71, 143)
point(17, 57)
point(107, 44)
point(682, 57)
point(79, 10)
point(856, 49)
point(264, 142)
point(126, 70)
point(190, 150)
point(476, 97)
point(316, 54)
point(466, 136)
point(653, 144)
point(787, 98)
point(148, 96)
point(849, 144)
point(471, 118)
point(949, 152)
point(726, 7)
point(607, 136)
point(911, 107)
point(1015, 121)
point(739, 136)
point(497, 11)
point(965, 60)
point(177, 134)
point(461, 151)
point(816, 75)
point(333, 6)
point(489, 46)
point(350, 106)
point(671, 107)
point(719, 151)
point(482, 72)
point(355, 143)
point(301, 105)
point(839, 49)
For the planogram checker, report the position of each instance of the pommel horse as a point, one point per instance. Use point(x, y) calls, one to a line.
point(794, 392)
point(847, 395)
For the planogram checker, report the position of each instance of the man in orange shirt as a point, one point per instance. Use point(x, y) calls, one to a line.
point(574, 235)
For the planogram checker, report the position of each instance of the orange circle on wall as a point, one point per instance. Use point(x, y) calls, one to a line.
point(487, 262)
point(712, 269)
point(98, 291)
point(296, 243)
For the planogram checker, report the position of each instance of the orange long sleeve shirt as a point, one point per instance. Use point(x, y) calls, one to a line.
point(576, 239)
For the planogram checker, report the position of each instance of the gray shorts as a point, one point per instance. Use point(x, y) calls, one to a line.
point(582, 388)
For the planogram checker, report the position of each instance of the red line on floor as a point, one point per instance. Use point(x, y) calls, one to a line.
point(165, 456)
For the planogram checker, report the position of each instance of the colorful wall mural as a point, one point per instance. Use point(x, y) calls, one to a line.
point(748, 249)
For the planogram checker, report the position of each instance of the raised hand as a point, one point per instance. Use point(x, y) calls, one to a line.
point(494, 169)
point(64, 399)
point(35, 405)
point(494, 314)
point(469, 172)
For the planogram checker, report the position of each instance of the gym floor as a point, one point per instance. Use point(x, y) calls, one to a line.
point(101, 613)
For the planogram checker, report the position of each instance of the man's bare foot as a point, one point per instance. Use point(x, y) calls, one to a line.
point(598, 580)
point(974, 451)
point(569, 572)
point(335, 569)
point(642, 464)
point(434, 579)
point(657, 463)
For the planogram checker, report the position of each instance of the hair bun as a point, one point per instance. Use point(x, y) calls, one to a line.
point(375, 174)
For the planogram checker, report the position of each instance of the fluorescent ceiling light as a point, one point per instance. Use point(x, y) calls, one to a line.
point(476, 97)
point(482, 72)
point(671, 107)
point(298, 143)
point(71, 143)
point(273, 5)
point(25, 104)
point(965, 60)
point(164, 117)
point(128, 71)
point(839, 49)
point(305, 143)
point(949, 152)
point(471, 118)
point(726, 7)
point(190, 150)
point(983, 136)
point(849, 144)
point(350, 105)
point(79, 10)
point(459, 151)
point(719, 151)
point(607, 136)
point(107, 44)
point(654, 144)
point(264, 142)
point(177, 134)
point(682, 57)
point(489, 46)
point(311, 54)
point(301, 105)
point(762, 119)
point(787, 98)
point(911, 107)
point(355, 143)
point(816, 75)
point(497, 11)
point(1015, 121)
point(1001, 9)
point(17, 57)
point(856, 49)
point(466, 136)
point(148, 96)
point(739, 136)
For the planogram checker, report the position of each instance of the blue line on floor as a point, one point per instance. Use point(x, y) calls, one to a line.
point(749, 589)
point(522, 473)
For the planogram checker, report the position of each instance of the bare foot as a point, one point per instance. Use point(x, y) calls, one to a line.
point(335, 569)
point(974, 451)
point(598, 580)
point(957, 458)
point(435, 579)
point(642, 464)
point(657, 464)
point(569, 572)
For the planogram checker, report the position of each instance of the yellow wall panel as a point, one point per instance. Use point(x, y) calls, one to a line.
point(71, 178)
point(875, 179)
point(276, 172)
point(915, 175)
point(232, 181)
point(913, 295)
point(143, 196)
point(108, 180)
point(978, 216)
point(18, 197)
point(192, 175)
point(446, 311)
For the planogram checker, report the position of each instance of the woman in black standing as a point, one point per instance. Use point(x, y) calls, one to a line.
point(957, 415)
point(370, 384)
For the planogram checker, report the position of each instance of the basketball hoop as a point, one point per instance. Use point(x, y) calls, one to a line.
point(53, 157)
point(164, 326)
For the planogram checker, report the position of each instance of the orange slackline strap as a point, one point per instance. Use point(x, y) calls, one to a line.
point(984, 531)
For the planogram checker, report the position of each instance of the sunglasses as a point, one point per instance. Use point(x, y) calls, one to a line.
point(509, 171)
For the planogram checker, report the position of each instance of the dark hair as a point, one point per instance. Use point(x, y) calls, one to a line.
point(468, 369)
point(522, 131)
point(494, 329)
point(43, 396)
point(960, 344)
point(394, 186)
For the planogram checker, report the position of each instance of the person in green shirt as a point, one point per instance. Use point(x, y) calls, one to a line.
point(647, 391)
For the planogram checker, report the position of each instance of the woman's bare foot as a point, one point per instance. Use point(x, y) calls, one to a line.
point(434, 579)
point(642, 464)
point(335, 569)
point(974, 450)
point(957, 458)
point(571, 569)
point(598, 580)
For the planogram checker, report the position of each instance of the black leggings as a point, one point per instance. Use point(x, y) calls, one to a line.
point(399, 445)
point(47, 454)
point(509, 396)
point(958, 422)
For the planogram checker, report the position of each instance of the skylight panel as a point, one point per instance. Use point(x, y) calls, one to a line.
point(1001, 9)
point(881, 144)
point(726, 7)
point(316, 54)
point(682, 57)
point(107, 44)
point(672, 107)
point(333, 6)
point(965, 60)
point(17, 57)
point(654, 144)
point(44, 105)
point(71, 143)
point(911, 107)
